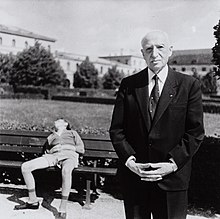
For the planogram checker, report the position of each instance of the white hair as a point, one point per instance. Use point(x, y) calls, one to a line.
point(145, 38)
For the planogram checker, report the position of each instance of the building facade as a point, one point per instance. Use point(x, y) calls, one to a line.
point(71, 61)
point(190, 61)
point(14, 40)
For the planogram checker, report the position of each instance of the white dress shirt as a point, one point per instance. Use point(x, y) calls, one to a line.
point(162, 76)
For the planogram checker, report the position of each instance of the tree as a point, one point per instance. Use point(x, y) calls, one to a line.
point(36, 66)
point(6, 62)
point(112, 79)
point(86, 75)
point(209, 83)
point(216, 48)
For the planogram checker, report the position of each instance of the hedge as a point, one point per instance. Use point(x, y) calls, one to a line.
point(204, 188)
point(84, 99)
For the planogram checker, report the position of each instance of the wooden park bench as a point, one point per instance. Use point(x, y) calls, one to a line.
point(97, 148)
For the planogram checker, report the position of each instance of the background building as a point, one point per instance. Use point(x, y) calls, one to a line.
point(14, 39)
point(136, 63)
point(189, 61)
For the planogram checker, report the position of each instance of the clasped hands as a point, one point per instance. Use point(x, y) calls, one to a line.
point(151, 171)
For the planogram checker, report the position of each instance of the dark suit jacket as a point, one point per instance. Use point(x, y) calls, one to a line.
point(176, 130)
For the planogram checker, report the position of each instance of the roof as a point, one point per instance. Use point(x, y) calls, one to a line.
point(191, 57)
point(119, 56)
point(24, 33)
point(93, 59)
point(181, 57)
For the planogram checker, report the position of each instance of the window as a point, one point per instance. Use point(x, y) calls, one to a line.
point(26, 44)
point(183, 69)
point(193, 61)
point(0, 40)
point(101, 69)
point(126, 61)
point(49, 47)
point(174, 69)
point(203, 68)
point(13, 43)
point(174, 62)
point(214, 68)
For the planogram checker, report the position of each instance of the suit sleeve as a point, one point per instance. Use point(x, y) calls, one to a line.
point(117, 129)
point(194, 129)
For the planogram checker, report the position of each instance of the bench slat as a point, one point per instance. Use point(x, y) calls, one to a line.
point(20, 140)
point(11, 164)
point(45, 134)
point(25, 149)
point(33, 141)
point(39, 150)
point(97, 170)
point(24, 133)
point(81, 169)
point(100, 154)
point(98, 145)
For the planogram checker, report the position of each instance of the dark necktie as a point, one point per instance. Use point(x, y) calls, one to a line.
point(154, 96)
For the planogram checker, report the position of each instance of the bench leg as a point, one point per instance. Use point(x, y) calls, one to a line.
point(88, 199)
point(95, 180)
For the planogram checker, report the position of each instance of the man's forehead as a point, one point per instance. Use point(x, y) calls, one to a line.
point(153, 43)
point(153, 38)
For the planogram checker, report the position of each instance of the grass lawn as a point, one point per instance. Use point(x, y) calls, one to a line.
point(40, 114)
point(86, 118)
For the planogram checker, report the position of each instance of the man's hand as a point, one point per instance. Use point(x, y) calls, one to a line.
point(158, 169)
point(140, 170)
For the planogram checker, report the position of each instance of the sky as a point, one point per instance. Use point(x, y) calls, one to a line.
point(114, 27)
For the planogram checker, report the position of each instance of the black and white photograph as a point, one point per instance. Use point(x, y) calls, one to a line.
point(110, 109)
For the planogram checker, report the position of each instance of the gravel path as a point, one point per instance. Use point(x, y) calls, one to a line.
point(105, 207)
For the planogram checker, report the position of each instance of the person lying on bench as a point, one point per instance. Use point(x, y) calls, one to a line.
point(62, 149)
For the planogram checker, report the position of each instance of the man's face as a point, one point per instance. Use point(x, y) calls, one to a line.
point(60, 123)
point(156, 50)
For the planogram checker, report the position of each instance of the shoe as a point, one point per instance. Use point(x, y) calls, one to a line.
point(61, 215)
point(26, 205)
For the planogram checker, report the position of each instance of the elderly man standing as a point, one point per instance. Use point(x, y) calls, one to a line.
point(156, 128)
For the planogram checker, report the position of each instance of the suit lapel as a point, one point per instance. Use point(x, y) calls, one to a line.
point(167, 95)
point(143, 100)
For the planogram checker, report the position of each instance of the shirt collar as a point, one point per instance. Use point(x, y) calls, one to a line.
point(162, 75)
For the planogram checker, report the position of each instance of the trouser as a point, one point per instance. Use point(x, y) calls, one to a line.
point(149, 199)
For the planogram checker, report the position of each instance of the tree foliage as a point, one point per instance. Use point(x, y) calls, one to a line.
point(209, 83)
point(112, 79)
point(36, 66)
point(86, 75)
point(6, 62)
point(216, 48)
